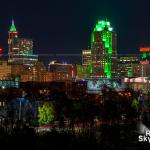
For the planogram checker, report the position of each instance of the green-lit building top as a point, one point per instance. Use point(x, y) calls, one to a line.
point(103, 47)
point(101, 25)
point(12, 27)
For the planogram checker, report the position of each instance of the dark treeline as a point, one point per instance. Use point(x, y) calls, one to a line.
point(112, 137)
point(104, 137)
point(111, 106)
point(117, 112)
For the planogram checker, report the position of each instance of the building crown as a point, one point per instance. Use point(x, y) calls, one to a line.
point(103, 25)
point(12, 27)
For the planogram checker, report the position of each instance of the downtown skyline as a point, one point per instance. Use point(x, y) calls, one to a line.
point(66, 26)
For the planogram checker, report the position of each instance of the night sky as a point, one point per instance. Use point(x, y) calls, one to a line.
point(64, 26)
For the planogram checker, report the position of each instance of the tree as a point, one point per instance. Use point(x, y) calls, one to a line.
point(46, 114)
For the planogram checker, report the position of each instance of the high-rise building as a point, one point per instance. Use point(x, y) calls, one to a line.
point(145, 55)
point(104, 50)
point(62, 71)
point(126, 66)
point(134, 65)
point(13, 48)
point(20, 49)
point(145, 61)
point(25, 46)
point(86, 57)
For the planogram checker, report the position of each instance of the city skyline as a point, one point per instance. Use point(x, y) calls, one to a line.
point(75, 74)
point(66, 26)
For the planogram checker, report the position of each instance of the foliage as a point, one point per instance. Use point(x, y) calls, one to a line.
point(135, 104)
point(46, 113)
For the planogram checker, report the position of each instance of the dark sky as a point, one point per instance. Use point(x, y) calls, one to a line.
point(64, 26)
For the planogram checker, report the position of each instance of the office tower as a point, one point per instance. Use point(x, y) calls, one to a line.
point(145, 61)
point(25, 46)
point(145, 55)
point(13, 47)
point(104, 50)
point(86, 57)
point(62, 71)
point(20, 49)
point(126, 66)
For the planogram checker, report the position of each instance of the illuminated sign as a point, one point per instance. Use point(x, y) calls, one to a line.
point(144, 62)
point(145, 49)
point(139, 80)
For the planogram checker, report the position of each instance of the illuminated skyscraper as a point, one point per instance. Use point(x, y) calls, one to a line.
point(25, 46)
point(12, 42)
point(20, 49)
point(104, 50)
